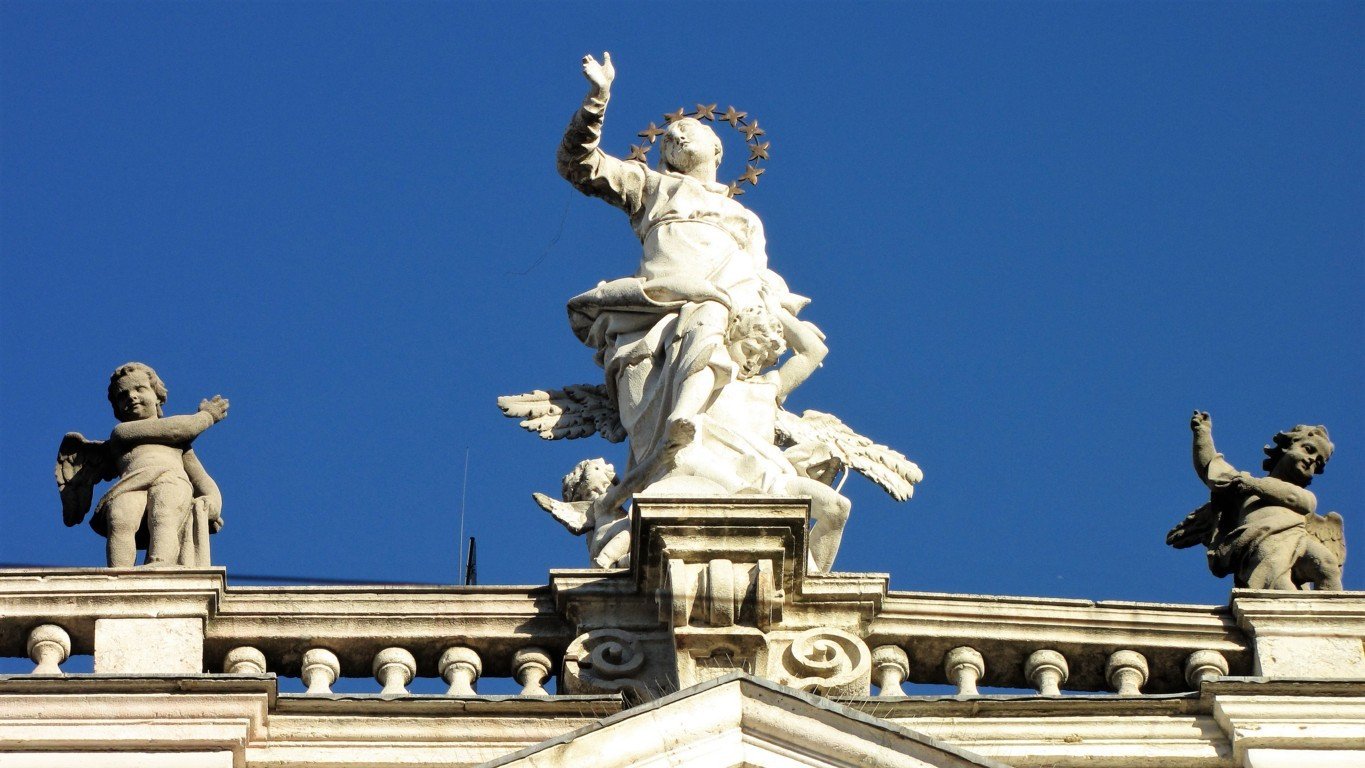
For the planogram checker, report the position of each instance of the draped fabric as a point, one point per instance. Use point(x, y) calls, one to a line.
point(703, 256)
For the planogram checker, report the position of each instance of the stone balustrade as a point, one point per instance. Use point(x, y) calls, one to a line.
point(1049, 645)
point(190, 622)
point(719, 586)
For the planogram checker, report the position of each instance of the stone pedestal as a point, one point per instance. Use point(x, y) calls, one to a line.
point(719, 586)
point(1304, 634)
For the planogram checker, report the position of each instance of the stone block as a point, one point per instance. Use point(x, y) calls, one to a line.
point(149, 646)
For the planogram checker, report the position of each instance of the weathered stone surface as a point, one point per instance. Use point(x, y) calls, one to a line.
point(159, 646)
point(460, 667)
point(1304, 634)
point(1126, 672)
point(164, 501)
point(48, 646)
point(244, 660)
point(1265, 531)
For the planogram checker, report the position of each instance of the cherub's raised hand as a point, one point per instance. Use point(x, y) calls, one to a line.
point(1201, 420)
point(599, 75)
point(216, 406)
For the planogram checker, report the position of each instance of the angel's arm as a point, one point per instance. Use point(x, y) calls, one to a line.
point(1278, 492)
point(172, 430)
point(203, 484)
point(1209, 464)
point(808, 350)
point(581, 161)
point(1201, 429)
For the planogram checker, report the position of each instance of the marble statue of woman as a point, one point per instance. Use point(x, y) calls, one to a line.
point(659, 333)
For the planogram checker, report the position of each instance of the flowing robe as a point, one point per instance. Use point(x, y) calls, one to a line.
point(703, 257)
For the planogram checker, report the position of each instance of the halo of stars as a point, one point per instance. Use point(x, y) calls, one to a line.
point(753, 135)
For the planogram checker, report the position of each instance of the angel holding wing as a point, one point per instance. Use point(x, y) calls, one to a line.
point(164, 501)
point(1265, 531)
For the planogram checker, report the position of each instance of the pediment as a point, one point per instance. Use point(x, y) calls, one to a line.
point(739, 721)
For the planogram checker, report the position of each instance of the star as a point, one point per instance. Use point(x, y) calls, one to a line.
point(733, 117)
point(751, 131)
point(751, 175)
point(759, 151)
point(733, 190)
point(652, 132)
point(705, 112)
point(673, 117)
point(639, 153)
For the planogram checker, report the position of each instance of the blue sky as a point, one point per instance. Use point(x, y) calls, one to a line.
point(1036, 234)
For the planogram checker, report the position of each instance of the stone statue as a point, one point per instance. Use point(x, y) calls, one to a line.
point(687, 344)
point(164, 501)
point(1265, 531)
point(660, 333)
point(744, 442)
point(608, 527)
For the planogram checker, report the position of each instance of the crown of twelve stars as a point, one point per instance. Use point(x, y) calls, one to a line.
point(758, 150)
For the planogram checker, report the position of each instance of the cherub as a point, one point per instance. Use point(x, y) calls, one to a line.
point(735, 445)
point(164, 501)
point(1265, 531)
point(608, 528)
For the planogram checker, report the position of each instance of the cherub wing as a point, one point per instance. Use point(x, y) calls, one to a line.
point(888, 468)
point(1198, 527)
point(1331, 531)
point(81, 465)
point(574, 411)
point(573, 515)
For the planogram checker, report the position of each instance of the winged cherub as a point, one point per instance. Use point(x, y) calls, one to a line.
point(736, 444)
point(607, 528)
point(164, 501)
point(1265, 531)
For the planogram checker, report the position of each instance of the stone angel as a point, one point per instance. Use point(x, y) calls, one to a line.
point(164, 500)
point(735, 445)
point(607, 528)
point(1265, 531)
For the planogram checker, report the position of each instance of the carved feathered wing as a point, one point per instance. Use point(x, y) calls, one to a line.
point(573, 515)
point(888, 468)
point(1331, 531)
point(572, 412)
point(81, 465)
point(1198, 527)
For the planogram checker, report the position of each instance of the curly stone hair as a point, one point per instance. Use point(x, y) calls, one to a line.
point(757, 323)
point(575, 486)
point(158, 386)
point(1283, 440)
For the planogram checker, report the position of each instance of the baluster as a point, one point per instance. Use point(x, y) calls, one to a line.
point(531, 668)
point(244, 660)
point(964, 666)
point(48, 645)
point(394, 668)
point(460, 667)
point(1046, 671)
point(890, 667)
point(1126, 672)
point(320, 670)
point(1203, 666)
